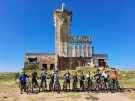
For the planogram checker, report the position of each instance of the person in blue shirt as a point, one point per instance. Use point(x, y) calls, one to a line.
point(23, 78)
point(43, 79)
point(67, 78)
point(56, 76)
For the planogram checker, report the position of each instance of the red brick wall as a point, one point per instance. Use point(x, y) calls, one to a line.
point(63, 62)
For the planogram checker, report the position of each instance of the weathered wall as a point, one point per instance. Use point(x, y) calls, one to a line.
point(41, 59)
point(64, 62)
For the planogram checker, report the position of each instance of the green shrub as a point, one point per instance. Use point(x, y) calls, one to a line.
point(30, 67)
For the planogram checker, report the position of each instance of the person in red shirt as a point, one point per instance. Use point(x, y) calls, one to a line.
point(115, 77)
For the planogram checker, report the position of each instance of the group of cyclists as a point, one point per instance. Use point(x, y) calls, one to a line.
point(77, 78)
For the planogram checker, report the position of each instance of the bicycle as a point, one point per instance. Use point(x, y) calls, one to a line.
point(98, 85)
point(115, 86)
point(30, 87)
point(51, 85)
point(65, 86)
point(43, 85)
point(57, 86)
point(86, 86)
point(74, 85)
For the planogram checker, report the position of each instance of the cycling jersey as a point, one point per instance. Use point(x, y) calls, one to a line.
point(34, 75)
point(105, 75)
point(89, 77)
point(56, 77)
point(23, 77)
point(97, 76)
point(75, 78)
point(115, 76)
point(67, 76)
point(43, 76)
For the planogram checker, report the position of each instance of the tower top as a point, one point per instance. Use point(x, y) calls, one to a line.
point(63, 6)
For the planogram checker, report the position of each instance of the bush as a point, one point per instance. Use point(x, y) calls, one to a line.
point(30, 67)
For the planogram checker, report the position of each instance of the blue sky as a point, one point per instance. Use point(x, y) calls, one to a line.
point(27, 26)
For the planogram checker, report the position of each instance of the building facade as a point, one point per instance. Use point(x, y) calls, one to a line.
point(70, 51)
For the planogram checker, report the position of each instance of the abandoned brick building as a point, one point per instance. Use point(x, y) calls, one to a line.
point(70, 51)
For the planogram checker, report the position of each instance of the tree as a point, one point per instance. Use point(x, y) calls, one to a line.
point(30, 67)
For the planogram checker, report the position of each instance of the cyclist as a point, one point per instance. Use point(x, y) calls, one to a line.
point(98, 77)
point(43, 79)
point(75, 78)
point(115, 77)
point(89, 78)
point(67, 78)
point(34, 78)
point(52, 76)
point(82, 78)
point(105, 76)
point(22, 79)
point(56, 76)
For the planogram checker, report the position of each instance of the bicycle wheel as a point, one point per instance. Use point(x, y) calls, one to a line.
point(113, 87)
point(65, 86)
point(29, 88)
point(86, 88)
point(37, 87)
point(120, 87)
point(50, 86)
point(74, 86)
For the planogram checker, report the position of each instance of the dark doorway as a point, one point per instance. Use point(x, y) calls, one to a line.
point(51, 66)
point(44, 66)
point(101, 62)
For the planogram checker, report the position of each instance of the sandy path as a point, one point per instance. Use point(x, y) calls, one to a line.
point(112, 97)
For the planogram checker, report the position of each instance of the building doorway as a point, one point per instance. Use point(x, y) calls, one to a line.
point(101, 62)
point(51, 66)
point(44, 66)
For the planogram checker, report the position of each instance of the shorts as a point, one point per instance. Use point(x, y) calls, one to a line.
point(81, 83)
point(105, 80)
point(68, 81)
point(34, 81)
point(23, 83)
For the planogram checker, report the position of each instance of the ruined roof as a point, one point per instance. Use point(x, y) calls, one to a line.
point(106, 55)
point(39, 53)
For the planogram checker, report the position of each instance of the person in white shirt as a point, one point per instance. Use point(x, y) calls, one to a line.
point(89, 78)
point(105, 75)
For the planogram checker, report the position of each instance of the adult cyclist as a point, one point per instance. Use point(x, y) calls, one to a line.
point(97, 77)
point(89, 78)
point(81, 78)
point(105, 76)
point(43, 80)
point(67, 78)
point(34, 78)
point(115, 77)
point(56, 76)
point(22, 79)
point(52, 76)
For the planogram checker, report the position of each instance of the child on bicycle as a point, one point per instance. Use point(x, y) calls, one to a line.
point(22, 79)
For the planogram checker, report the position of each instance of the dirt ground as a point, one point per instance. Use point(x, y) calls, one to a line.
point(10, 92)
